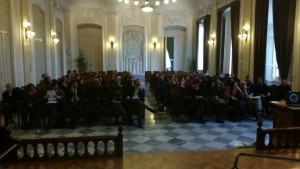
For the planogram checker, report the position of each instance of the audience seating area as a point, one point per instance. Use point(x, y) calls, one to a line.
point(175, 92)
point(94, 92)
point(194, 95)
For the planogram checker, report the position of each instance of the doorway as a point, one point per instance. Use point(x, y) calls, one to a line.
point(175, 48)
point(90, 42)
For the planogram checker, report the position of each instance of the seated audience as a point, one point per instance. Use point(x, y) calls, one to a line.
point(9, 101)
point(259, 88)
point(55, 98)
point(33, 100)
point(234, 96)
point(283, 89)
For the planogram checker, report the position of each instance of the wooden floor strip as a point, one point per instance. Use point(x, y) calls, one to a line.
point(173, 160)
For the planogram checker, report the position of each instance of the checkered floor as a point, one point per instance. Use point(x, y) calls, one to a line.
point(162, 134)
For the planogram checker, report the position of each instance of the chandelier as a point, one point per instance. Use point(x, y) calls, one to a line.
point(147, 5)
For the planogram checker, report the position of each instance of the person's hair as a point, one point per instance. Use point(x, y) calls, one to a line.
point(7, 84)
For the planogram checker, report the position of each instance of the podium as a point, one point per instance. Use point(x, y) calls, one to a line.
point(284, 115)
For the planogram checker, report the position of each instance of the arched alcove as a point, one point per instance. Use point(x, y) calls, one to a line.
point(134, 49)
point(90, 41)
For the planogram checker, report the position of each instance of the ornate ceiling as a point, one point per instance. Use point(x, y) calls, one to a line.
point(198, 7)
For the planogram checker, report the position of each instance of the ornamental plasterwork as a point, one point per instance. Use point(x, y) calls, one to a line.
point(58, 5)
point(133, 16)
point(89, 16)
point(175, 18)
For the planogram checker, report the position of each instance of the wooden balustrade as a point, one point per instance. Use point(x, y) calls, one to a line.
point(276, 138)
point(106, 146)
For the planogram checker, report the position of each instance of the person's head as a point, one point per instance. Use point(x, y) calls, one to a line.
point(137, 82)
point(97, 82)
point(31, 87)
point(9, 87)
point(232, 83)
point(243, 83)
point(131, 78)
point(44, 75)
point(54, 86)
point(259, 81)
point(69, 72)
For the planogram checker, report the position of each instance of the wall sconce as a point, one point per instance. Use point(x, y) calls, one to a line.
point(55, 40)
point(28, 32)
point(154, 43)
point(212, 39)
point(245, 34)
point(111, 42)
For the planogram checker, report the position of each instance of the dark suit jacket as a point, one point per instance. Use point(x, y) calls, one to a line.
point(141, 93)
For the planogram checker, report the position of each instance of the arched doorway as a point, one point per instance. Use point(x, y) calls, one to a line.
point(175, 48)
point(90, 42)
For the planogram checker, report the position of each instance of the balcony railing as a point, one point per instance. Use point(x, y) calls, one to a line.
point(106, 146)
point(276, 138)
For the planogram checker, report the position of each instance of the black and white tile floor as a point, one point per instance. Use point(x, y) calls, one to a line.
point(162, 134)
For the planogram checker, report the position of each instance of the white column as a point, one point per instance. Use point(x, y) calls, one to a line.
point(17, 36)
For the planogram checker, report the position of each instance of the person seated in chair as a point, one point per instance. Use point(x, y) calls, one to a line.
point(72, 99)
point(283, 89)
point(116, 98)
point(33, 100)
point(136, 96)
point(259, 88)
point(234, 96)
point(55, 98)
point(9, 104)
point(217, 102)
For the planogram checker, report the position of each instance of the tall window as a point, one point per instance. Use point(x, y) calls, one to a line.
point(272, 72)
point(227, 41)
point(200, 56)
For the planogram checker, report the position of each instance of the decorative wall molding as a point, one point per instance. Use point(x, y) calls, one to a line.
point(132, 16)
point(58, 5)
point(89, 16)
point(222, 3)
point(175, 18)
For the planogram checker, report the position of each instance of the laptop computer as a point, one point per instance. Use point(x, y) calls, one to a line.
point(293, 99)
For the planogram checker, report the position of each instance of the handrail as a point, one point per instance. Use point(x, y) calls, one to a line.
point(235, 165)
point(106, 146)
point(278, 137)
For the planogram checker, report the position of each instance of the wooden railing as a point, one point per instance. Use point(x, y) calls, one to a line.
point(106, 146)
point(276, 138)
point(8, 145)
